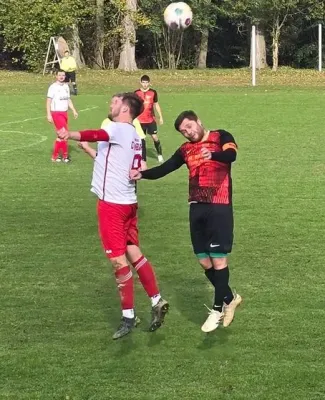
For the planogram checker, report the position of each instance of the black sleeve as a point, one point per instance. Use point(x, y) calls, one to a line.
point(172, 164)
point(155, 97)
point(229, 154)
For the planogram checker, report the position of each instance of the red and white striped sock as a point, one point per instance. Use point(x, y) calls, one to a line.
point(148, 279)
point(124, 280)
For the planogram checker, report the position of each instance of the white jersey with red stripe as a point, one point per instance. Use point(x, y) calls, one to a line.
point(115, 158)
point(60, 95)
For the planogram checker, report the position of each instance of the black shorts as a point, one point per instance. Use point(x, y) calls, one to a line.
point(70, 76)
point(211, 228)
point(150, 128)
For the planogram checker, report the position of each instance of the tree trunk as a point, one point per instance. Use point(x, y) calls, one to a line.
point(260, 49)
point(76, 52)
point(275, 46)
point(171, 61)
point(100, 35)
point(127, 56)
point(203, 52)
point(275, 54)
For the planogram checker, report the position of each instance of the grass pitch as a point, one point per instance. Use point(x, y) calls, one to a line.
point(58, 301)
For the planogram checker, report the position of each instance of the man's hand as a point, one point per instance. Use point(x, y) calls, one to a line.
point(49, 118)
point(63, 134)
point(161, 121)
point(206, 154)
point(143, 165)
point(75, 114)
point(135, 175)
point(87, 149)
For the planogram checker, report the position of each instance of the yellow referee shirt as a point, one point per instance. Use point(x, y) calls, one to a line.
point(136, 124)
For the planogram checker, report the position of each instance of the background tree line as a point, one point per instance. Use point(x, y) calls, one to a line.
point(130, 34)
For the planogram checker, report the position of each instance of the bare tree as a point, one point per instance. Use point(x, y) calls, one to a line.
point(260, 48)
point(127, 56)
point(76, 52)
point(100, 35)
point(203, 51)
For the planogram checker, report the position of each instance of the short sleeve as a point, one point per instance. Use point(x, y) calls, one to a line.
point(155, 97)
point(112, 130)
point(50, 92)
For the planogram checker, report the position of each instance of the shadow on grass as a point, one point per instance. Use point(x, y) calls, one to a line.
point(217, 337)
point(190, 300)
point(155, 338)
point(191, 297)
point(125, 345)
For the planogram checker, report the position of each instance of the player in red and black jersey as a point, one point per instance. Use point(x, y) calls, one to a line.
point(208, 156)
point(147, 118)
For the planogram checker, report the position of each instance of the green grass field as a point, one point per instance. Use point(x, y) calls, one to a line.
point(58, 301)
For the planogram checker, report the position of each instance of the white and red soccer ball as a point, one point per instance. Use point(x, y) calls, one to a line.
point(178, 16)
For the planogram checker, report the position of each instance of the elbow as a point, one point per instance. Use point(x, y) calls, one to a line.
point(233, 157)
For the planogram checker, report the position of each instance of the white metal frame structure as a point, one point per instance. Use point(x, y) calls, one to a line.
point(56, 59)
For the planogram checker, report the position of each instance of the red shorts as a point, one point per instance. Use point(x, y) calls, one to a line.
point(118, 227)
point(60, 119)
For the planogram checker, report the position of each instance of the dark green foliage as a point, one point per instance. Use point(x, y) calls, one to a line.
point(26, 26)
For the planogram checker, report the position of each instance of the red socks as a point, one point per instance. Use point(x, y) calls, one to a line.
point(146, 276)
point(124, 282)
point(64, 149)
point(56, 150)
point(60, 146)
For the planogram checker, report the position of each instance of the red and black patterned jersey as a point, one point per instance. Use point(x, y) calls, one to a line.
point(209, 180)
point(149, 97)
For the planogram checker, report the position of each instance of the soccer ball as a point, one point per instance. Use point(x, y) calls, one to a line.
point(178, 16)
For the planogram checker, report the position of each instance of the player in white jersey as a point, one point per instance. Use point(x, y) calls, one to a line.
point(57, 104)
point(119, 151)
point(93, 153)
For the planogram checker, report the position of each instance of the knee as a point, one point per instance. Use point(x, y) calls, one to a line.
point(205, 263)
point(118, 262)
point(219, 263)
point(133, 253)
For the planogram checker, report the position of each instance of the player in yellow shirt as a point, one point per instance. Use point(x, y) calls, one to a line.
point(136, 124)
point(69, 66)
point(89, 150)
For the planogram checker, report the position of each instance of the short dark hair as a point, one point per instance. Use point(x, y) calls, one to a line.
point(134, 102)
point(144, 78)
point(119, 95)
point(189, 114)
point(59, 70)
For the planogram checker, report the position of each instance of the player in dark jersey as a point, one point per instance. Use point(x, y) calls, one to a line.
point(208, 156)
point(147, 118)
